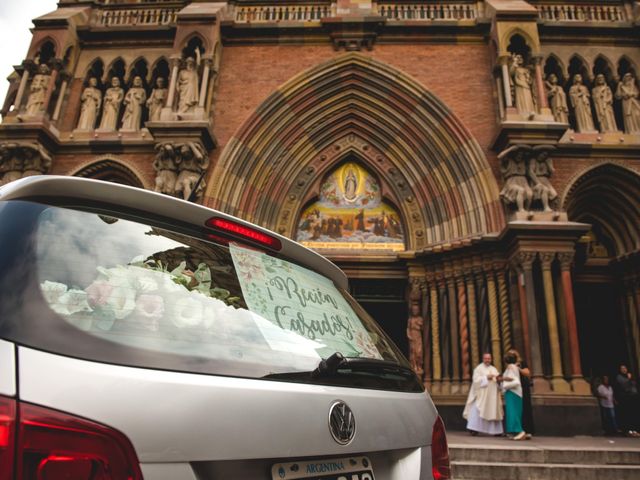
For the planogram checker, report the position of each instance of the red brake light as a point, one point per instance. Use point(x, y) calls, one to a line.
point(7, 436)
point(248, 233)
point(441, 467)
point(53, 445)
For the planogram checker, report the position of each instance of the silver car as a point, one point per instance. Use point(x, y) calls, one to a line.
point(142, 336)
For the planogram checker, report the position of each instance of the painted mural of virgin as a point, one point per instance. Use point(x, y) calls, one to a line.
point(351, 214)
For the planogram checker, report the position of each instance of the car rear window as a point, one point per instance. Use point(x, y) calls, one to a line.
point(112, 289)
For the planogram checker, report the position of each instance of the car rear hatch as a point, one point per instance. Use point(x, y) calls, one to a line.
point(197, 344)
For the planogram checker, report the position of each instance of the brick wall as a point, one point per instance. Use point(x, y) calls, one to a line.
point(460, 75)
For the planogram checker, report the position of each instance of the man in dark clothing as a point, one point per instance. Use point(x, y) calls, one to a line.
point(628, 400)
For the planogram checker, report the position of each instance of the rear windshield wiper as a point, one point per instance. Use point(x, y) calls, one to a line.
point(331, 366)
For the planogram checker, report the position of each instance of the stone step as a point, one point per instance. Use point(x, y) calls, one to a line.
point(523, 453)
point(470, 470)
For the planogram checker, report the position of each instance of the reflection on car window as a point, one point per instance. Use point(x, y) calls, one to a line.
point(158, 290)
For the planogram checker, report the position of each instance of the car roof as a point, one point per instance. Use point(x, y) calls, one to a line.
point(132, 198)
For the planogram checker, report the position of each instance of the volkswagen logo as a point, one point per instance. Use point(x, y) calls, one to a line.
point(342, 423)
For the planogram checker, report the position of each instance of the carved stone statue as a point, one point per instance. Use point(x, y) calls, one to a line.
point(415, 326)
point(165, 165)
point(603, 100)
point(187, 87)
point(627, 91)
point(557, 99)
point(11, 163)
point(540, 171)
point(157, 100)
point(38, 91)
point(22, 160)
point(134, 101)
point(192, 161)
point(581, 103)
point(112, 102)
point(91, 102)
point(513, 165)
point(522, 83)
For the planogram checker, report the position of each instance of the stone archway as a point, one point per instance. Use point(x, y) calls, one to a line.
point(607, 282)
point(110, 170)
point(420, 150)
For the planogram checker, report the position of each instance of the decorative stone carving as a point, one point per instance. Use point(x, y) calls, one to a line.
point(192, 161)
point(157, 100)
point(581, 103)
point(38, 91)
point(415, 327)
point(134, 101)
point(522, 85)
point(513, 166)
point(187, 87)
point(603, 100)
point(627, 91)
point(557, 99)
point(540, 171)
point(20, 160)
point(11, 163)
point(91, 102)
point(112, 102)
point(167, 168)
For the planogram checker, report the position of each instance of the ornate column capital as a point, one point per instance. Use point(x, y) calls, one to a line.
point(503, 60)
point(525, 260)
point(546, 259)
point(565, 259)
point(537, 59)
point(175, 60)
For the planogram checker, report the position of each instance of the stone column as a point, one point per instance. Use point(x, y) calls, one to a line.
point(463, 321)
point(558, 383)
point(23, 84)
point(426, 337)
point(204, 86)
point(171, 94)
point(61, 95)
point(506, 80)
point(578, 382)
point(505, 321)
point(56, 65)
point(436, 366)
point(630, 300)
point(494, 319)
point(543, 102)
point(525, 260)
point(522, 307)
point(454, 334)
point(473, 321)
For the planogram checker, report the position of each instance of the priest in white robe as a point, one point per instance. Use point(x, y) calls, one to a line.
point(483, 411)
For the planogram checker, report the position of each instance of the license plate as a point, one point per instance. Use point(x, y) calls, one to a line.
point(350, 468)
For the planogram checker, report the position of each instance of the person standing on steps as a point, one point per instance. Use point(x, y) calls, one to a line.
point(525, 381)
point(607, 406)
point(483, 410)
point(513, 397)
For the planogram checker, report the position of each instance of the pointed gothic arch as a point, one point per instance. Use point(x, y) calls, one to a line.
point(607, 195)
point(111, 169)
point(438, 171)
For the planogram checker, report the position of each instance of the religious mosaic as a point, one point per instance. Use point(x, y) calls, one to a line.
point(351, 214)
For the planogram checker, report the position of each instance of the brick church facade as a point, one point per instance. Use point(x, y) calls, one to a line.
point(473, 166)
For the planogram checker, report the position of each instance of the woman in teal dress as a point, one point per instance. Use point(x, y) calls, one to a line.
point(513, 398)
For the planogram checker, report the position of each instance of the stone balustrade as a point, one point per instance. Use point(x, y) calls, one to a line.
point(136, 17)
point(582, 13)
point(281, 13)
point(428, 12)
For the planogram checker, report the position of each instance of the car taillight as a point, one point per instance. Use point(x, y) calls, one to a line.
point(53, 445)
point(247, 233)
point(7, 436)
point(441, 467)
